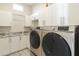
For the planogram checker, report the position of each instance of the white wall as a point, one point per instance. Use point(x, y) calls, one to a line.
point(39, 6)
point(5, 7)
point(8, 7)
point(28, 9)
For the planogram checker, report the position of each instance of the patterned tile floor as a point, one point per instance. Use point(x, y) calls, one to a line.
point(22, 53)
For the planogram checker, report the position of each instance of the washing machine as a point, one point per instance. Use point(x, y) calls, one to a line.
point(35, 42)
point(58, 43)
point(77, 41)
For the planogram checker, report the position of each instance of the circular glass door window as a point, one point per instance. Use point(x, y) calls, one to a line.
point(34, 39)
point(55, 45)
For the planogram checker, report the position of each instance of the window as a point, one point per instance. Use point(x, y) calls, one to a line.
point(17, 7)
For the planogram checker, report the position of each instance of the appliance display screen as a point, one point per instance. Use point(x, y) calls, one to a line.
point(63, 28)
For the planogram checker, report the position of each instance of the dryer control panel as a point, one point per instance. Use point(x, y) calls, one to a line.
point(63, 28)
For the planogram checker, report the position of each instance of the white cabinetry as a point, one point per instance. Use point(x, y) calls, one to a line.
point(48, 16)
point(63, 14)
point(19, 42)
point(51, 18)
point(27, 36)
point(18, 22)
point(28, 21)
point(5, 18)
point(56, 15)
point(23, 41)
point(73, 13)
point(15, 44)
point(4, 46)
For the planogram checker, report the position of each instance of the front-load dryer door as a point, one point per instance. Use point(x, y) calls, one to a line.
point(55, 45)
point(34, 39)
point(77, 41)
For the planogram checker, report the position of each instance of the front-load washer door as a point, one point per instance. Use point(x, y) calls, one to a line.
point(55, 45)
point(34, 39)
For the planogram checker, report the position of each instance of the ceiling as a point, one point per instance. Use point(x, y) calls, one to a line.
point(29, 4)
point(33, 4)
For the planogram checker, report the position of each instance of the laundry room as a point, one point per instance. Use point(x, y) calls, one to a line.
point(39, 29)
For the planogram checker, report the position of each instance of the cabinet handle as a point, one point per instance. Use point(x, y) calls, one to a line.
point(62, 20)
point(10, 40)
point(20, 37)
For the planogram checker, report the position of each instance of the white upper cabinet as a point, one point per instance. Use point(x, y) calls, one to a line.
point(49, 16)
point(62, 13)
point(57, 15)
point(73, 13)
point(28, 20)
point(5, 18)
point(54, 15)
point(51, 19)
point(18, 22)
point(14, 19)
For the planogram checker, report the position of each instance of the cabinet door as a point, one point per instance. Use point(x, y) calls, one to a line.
point(73, 13)
point(18, 23)
point(50, 16)
point(28, 21)
point(23, 41)
point(4, 46)
point(28, 40)
point(15, 43)
point(5, 18)
point(57, 15)
point(63, 14)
